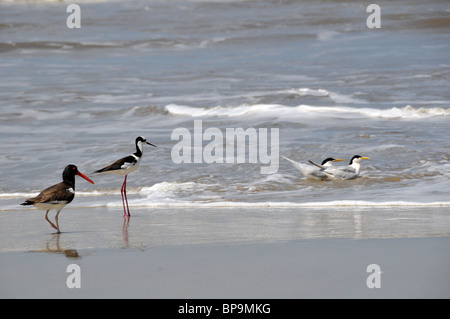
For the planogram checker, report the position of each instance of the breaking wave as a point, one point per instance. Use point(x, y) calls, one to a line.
point(294, 112)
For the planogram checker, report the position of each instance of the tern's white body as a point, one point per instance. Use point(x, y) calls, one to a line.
point(344, 172)
point(310, 171)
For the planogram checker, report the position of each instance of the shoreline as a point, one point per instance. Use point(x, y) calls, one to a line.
point(10, 203)
point(104, 227)
point(314, 268)
point(227, 253)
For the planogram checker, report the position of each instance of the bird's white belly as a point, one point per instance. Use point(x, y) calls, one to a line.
point(127, 168)
point(52, 205)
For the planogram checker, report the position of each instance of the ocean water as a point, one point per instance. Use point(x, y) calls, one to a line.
point(311, 69)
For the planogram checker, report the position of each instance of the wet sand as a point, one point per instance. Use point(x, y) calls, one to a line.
point(227, 253)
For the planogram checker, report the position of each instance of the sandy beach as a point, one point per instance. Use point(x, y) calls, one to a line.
point(223, 253)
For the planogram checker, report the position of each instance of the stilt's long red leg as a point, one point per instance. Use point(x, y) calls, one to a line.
point(126, 199)
point(121, 193)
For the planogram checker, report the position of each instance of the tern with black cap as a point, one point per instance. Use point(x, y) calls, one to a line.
point(314, 172)
point(344, 172)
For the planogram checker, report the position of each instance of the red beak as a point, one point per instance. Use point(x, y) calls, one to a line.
point(85, 177)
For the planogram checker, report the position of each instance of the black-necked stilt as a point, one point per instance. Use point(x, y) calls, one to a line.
point(59, 195)
point(125, 166)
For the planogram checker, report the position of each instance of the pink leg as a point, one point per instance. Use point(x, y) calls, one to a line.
point(121, 193)
point(125, 193)
point(51, 224)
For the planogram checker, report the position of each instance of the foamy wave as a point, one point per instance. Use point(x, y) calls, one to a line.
point(286, 112)
point(338, 98)
point(308, 92)
point(233, 204)
point(24, 195)
point(168, 187)
point(164, 195)
point(17, 195)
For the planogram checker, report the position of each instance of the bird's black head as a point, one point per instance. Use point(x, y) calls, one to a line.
point(358, 158)
point(69, 173)
point(70, 170)
point(329, 159)
point(140, 139)
point(143, 140)
point(353, 158)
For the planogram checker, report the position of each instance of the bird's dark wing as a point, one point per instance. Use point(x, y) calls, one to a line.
point(60, 192)
point(119, 164)
point(318, 165)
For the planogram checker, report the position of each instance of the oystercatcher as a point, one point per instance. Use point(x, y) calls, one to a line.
point(125, 166)
point(59, 195)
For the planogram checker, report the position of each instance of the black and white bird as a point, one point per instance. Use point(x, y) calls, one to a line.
point(344, 172)
point(59, 195)
point(313, 171)
point(125, 166)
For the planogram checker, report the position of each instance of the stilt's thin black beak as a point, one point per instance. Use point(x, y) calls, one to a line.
point(150, 144)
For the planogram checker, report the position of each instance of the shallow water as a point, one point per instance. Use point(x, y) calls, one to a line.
point(227, 253)
point(103, 228)
point(313, 70)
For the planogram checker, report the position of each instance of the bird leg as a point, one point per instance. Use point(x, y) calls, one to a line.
point(123, 192)
point(57, 224)
point(123, 202)
point(46, 218)
point(126, 199)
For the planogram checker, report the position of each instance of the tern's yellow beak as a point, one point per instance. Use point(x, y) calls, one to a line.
point(365, 157)
point(339, 160)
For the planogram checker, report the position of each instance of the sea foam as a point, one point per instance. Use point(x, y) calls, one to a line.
point(294, 112)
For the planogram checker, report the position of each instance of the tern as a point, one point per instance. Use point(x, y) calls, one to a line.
point(345, 172)
point(314, 172)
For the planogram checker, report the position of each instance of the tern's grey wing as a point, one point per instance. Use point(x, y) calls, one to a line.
point(307, 170)
point(317, 165)
point(341, 172)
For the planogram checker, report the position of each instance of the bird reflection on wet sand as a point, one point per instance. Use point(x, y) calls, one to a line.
point(126, 222)
point(53, 246)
